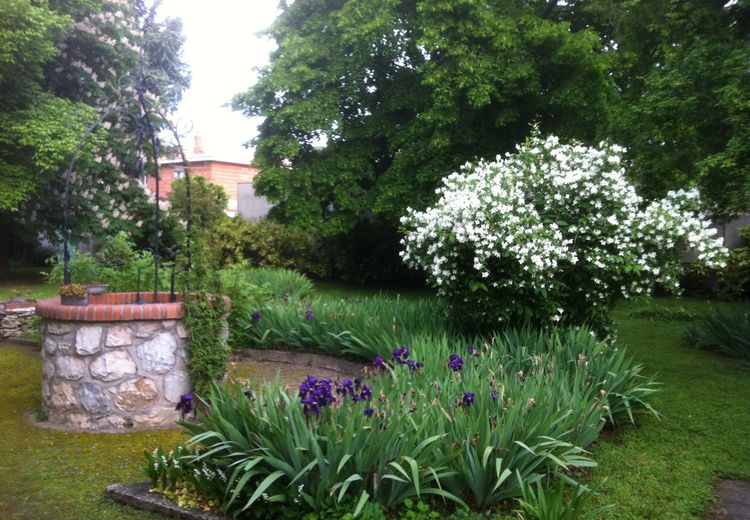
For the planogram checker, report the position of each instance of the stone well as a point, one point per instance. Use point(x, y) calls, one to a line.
point(113, 365)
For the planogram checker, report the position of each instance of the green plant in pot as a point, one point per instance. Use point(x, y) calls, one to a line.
point(73, 294)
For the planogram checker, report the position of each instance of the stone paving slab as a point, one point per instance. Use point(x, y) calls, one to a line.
point(734, 501)
point(138, 496)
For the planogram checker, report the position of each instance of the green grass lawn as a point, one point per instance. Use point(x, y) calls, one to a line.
point(26, 283)
point(47, 474)
point(666, 468)
point(661, 468)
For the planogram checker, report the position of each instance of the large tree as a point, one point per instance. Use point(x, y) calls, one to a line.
point(368, 104)
point(683, 108)
point(62, 63)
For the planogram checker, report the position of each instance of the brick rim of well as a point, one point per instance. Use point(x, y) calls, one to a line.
point(114, 307)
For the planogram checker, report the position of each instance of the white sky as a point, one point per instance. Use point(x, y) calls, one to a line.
point(222, 50)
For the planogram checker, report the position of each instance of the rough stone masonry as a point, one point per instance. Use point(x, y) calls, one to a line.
point(114, 376)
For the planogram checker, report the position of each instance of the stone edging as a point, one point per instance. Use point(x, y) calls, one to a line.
point(341, 366)
point(138, 496)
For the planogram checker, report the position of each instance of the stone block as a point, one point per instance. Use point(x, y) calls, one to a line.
point(112, 366)
point(70, 368)
point(146, 329)
point(119, 336)
point(136, 396)
point(158, 354)
point(93, 398)
point(182, 330)
point(176, 384)
point(49, 345)
point(63, 395)
point(88, 340)
point(48, 368)
point(59, 328)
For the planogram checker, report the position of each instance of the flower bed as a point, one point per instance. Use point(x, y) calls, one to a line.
point(439, 420)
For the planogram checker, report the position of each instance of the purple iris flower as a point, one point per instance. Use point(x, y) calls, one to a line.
point(368, 412)
point(494, 394)
point(471, 350)
point(255, 316)
point(309, 315)
point(366, 393)
point(248, 394)
point(468, 399)
point(378, 362)
point(315, 393)
point(411, 364)
point(455, 363)
point(185, 406)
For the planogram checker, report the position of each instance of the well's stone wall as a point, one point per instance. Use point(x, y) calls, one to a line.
point(114, 375)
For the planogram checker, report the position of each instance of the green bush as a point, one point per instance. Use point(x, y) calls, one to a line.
point(726, 331)
point(280, 284)
point(266, 244)
point(422, 426)
point(362, 327)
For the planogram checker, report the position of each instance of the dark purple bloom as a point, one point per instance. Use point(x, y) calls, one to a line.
point(309, 315)
point(411, 364)
point(185, 406)
point(420, 364)
point(368, 412)
point(315, 393)
point(400, 354)
point(248, 394)
point(468, 399)
point(455, 363)
point(378, 362)
point(366, 393)
point(494, 394)
point(471, 350)
point(256, 316)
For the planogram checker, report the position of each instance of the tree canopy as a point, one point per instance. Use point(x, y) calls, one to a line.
point(63, 63)
point(367, 105)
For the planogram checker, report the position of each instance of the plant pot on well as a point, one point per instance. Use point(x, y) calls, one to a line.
point(74, 300)
point(73, 294)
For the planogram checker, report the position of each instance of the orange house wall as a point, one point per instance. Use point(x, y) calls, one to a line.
point(224, 174)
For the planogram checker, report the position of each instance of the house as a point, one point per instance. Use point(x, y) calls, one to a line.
point(235, 177)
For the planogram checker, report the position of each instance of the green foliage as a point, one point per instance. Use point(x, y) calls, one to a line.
point(101, 269)
point(362, 327)
point(404, 92)
point(208, 203)
point(266, 244)
point(682, 109)
point(725, 331)
point(117, 251)
point(558, 502)
point(280, 284)
point(654, 311)
point(206, 321)
point(734, 279)
point(423, 442)
point(70, 61)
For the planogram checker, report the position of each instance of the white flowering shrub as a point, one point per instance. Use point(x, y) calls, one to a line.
point(553, 233)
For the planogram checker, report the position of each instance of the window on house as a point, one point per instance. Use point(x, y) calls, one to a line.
point(179, 173)
point(143, 179)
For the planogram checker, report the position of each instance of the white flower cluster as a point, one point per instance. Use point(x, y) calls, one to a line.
point(554, 222)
